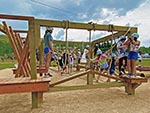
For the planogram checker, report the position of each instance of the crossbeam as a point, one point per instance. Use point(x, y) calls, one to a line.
point(15, 17)
point(69, 78)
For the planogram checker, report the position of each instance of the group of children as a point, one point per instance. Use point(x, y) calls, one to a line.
point(66, 61)
point(126, 56)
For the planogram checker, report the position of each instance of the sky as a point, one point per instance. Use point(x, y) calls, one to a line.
point(134, 13)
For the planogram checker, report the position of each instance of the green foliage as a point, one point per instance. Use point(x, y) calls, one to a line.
point(145, 50)
point(5, 47)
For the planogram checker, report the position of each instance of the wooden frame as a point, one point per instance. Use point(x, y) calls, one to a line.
point(34, 43)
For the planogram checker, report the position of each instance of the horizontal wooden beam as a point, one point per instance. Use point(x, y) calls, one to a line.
point(83, 87)
point(15, 17)
point(135, 79)
point(21, 31)
point(84, 26)
point(70, 42)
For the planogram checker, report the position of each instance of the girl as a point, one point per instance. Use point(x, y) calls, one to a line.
point(102, 61)
point(48, 49)
point(133, 46)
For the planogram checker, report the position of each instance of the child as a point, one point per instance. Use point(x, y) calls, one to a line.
point(112, 65)
point(133, 46)
point(60, 62)
point(71, 62)
point(101, 58)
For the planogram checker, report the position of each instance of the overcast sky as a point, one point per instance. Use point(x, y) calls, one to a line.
point(118, 12)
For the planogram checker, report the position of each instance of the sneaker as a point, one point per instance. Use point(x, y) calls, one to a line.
point(48, 75)
point(123, 70)
point(120, 74)
point(142, 75)
point(131, 76)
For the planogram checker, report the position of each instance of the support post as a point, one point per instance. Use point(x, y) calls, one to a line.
point(32, 47)
point(130, 88)
point(90, 78)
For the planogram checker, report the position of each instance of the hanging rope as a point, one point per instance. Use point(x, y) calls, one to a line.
point(111, 47)
point(111, 28)
point(123, 35)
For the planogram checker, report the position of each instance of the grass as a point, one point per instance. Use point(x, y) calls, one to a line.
point(6, 65)
point(10, 64)
point(146, 62)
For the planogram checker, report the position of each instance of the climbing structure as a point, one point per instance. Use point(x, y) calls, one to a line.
point(26, 53)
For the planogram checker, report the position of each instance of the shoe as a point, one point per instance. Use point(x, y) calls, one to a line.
point(131, 76)
point(123, 70)
point(120, 74)
point(47, 75)
point(142, 75)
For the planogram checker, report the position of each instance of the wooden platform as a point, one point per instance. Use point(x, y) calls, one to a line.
point(134, 80)
point(25, 84)
point(132, 83)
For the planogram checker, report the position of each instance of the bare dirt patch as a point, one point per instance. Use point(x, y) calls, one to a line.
point(102, 100)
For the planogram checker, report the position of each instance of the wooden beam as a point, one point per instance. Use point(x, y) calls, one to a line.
point(77, 25)
point(32, 48)
point(83, 87)
point(107, 38)
point(115, 35)
point(108, 76)
point(21, 31)
point(134, 80)
point(25, 84)
point(15, 17)
point(69, 78)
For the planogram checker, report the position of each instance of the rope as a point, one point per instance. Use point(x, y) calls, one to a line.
point(112, 46)
point(123, 35)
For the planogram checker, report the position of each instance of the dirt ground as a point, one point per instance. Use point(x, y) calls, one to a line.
point(102, 100)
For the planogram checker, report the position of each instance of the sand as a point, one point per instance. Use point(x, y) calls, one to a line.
point(101, 100)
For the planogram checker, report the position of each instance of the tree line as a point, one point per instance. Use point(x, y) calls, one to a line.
point(6, 49)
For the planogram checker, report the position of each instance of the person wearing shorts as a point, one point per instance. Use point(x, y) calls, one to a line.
point(48, 49)
point(133, 46)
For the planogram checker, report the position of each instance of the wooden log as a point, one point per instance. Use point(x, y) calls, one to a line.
point(108, 76)
point(89, 78)
point(83, 87)
point(69, 78)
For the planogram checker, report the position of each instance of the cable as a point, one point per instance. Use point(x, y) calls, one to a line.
point(53, 7)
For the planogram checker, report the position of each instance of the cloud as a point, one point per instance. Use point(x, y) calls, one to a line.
point(118, 12)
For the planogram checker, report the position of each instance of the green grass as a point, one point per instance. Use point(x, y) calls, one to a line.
point(10, 64)
point(4, 66)
point(145, 62)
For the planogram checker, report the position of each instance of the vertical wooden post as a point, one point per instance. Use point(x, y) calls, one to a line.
point(129, 88)
point(40, 96)
point(89, 78)
point(41, 54)
point(32, 48)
